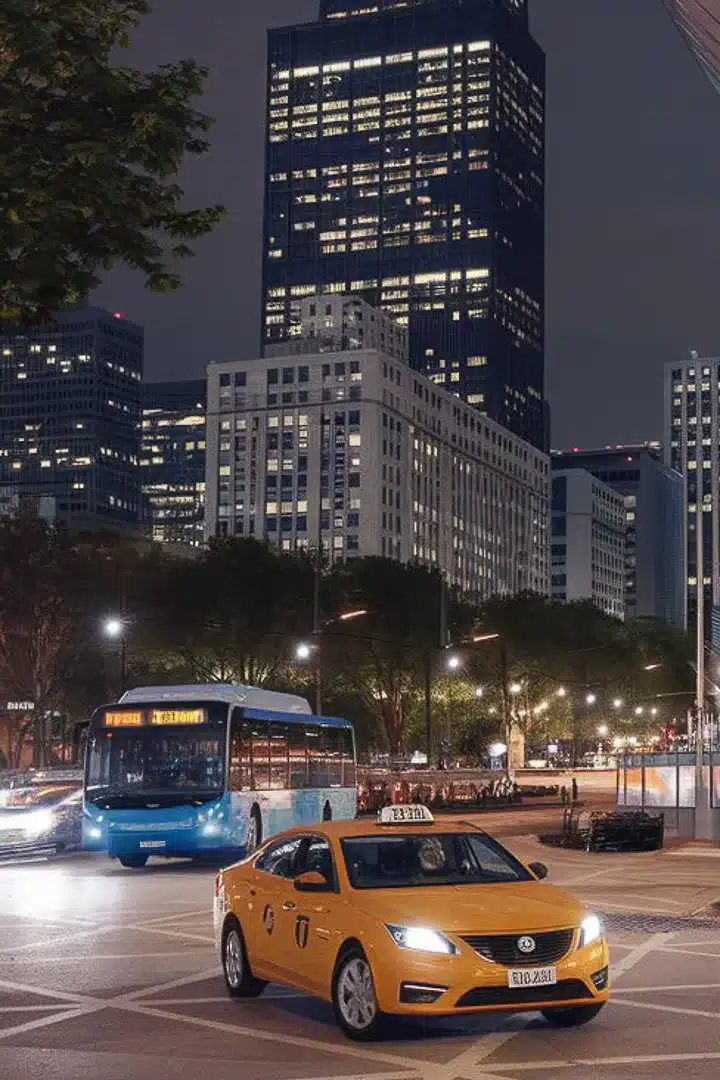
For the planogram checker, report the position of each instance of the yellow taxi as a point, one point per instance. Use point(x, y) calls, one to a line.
point(407, 916)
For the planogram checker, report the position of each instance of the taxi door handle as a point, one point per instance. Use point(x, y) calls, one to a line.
point(289, 906)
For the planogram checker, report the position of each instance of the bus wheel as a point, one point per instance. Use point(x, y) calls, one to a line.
point(253, 839)
point(327, 812)
point(133, 862)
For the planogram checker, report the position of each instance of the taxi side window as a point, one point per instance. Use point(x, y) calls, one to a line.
point(280, 859)
point(316, 856)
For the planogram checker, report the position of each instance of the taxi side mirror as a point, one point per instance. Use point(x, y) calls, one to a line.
point(539, 869)
point(312, 882)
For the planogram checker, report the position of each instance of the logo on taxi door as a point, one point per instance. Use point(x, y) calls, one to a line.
point(302, 930)
point(269, 919)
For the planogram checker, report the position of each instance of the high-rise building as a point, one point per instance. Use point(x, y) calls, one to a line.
point(588, 541)
point(654, 496)
point(405, 164)
point(358, 449)
point(172, 461)
point(70, 396)
point(688, 384)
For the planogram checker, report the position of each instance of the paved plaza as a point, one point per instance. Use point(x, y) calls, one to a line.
point(111, 973)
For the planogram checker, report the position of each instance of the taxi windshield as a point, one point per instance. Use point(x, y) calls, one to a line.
point(419, 859)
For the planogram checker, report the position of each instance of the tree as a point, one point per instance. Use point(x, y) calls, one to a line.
point(231, 615)
point(385, 658)
point(90, 150)
point(41, 621)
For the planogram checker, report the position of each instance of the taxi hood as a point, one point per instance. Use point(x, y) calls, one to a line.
point(503, 908)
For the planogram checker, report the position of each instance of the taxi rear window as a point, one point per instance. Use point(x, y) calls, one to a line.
point(409, 860)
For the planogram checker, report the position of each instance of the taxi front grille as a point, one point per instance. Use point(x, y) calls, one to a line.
point(567, 990)
point(505, 948)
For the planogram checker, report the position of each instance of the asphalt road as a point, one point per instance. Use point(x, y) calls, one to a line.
point(111, 974)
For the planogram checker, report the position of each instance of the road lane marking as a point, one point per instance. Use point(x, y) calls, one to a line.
point(174, 918)
point(48, 1021)
point(412, 1065)
point(31, 1008)
point(653, 1007)
point(628, 962)
point(663, 989)
point(592, 1063)
point(42, 991)
point(58, 960)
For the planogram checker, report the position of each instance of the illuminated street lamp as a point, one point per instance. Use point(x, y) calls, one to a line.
point(561, 691)
point(639, 710)
point(618, 703)
point(591, 699)
point(602, 730)
point(303, 652)
point(479, 691)
point(454, 662)
point(515, 689)
point(115, 628)
point(654, 711)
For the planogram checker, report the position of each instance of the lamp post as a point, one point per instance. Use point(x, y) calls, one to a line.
point(305, 650)
point(115, 629)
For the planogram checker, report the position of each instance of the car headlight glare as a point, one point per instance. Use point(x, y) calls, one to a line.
point(591, 929)
point(38, 822)
point(420, 939)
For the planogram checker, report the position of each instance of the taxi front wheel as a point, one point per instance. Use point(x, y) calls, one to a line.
point(573, 1017)
point(239, 979)
point(354, 998)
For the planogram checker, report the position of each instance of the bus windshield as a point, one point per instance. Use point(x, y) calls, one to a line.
point(183, 761)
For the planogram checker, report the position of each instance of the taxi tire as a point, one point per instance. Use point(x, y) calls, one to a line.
point(249, 986)
point(375, 1029)
point(575, 1016)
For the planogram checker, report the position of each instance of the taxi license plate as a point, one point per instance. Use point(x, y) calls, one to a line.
point(520, 978)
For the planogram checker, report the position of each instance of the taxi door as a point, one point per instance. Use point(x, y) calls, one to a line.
point(274, 873)
point(308, 920)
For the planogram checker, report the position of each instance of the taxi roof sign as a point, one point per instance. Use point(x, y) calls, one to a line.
point(405, 815)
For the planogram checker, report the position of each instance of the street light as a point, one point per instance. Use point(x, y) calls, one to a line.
point(654, 711)
point(479, 691)
point(303, 652)
point(602, 730)
point(651, 667)
point(639, 710)
point(515, 689)
point(591, 699)
point(618, 703)
point(561, 691)
point(454, 662)
point(114, 628)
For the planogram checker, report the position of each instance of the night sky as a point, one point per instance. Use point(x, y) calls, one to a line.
point(633, 222)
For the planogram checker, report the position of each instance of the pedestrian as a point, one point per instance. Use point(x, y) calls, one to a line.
point(574, 790)
point(564, 795)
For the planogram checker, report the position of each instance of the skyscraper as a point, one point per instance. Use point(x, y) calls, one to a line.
point(405, 164)
point(69, 416)
point(172, 461)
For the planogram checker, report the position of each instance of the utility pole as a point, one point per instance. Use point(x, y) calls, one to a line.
point(702, 786)
point(428, 704)
point(507, 714)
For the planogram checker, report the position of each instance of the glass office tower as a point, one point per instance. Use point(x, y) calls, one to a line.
point(405, 164)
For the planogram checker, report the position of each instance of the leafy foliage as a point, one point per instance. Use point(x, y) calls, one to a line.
point(90, 150)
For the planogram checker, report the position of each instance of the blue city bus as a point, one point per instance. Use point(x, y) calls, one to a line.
point(210, 770)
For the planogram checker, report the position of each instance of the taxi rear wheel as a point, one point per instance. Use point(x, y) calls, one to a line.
point(573, 1017)
point(239, 979)
point(354, 1000)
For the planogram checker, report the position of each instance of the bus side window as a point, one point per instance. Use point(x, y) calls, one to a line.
point(278, 757)
point(348, 754)
point(260, 755)
point(317, 754)
point(298, 757)
point(240, 754)
point(333, 755)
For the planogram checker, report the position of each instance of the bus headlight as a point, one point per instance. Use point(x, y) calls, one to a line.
point(95, 833)
point(38, 822)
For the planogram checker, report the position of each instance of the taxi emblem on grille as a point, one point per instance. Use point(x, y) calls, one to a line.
point(526, 945)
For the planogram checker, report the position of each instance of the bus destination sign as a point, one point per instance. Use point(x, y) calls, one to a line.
point(123, 719)
point(177, 716)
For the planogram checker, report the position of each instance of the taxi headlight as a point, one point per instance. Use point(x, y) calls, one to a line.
point(37, 823)
point(590, 930)
point(420, 939)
